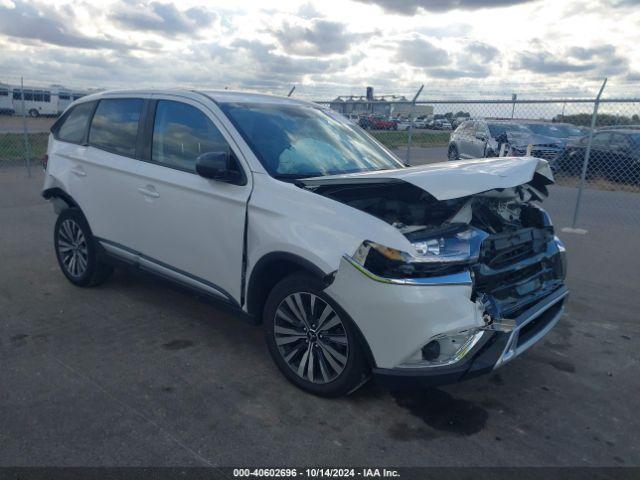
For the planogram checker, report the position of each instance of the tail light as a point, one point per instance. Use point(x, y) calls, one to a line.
point(45, 161)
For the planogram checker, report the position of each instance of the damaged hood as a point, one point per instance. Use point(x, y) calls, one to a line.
point(449, 180)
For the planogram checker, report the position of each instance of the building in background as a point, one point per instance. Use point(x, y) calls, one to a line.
point(385, 105)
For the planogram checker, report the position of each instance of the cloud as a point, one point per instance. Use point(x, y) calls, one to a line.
point(419, 52)
point(46, 24)
point(266, 62)
point(482, 51)
point(411, 7)
point(597, 61)
point(162, 18)
point(317, 37)
point(473, 61)
point(308, 11)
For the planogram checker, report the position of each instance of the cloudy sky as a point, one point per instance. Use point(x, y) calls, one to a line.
point(457, 48)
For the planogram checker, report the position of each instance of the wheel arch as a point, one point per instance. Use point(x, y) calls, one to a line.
point(57, 192)
point(269, 270)
point(275, 266)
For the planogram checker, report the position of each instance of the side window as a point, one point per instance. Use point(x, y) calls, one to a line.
point(74, 125)
point(464, 128)
point(619, 141)
point(601, 139)
point(115, 125)
point(181, 133)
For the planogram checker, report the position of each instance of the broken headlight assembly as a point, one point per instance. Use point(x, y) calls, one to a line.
point(438, 254)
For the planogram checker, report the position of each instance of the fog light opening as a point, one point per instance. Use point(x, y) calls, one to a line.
point(431, 351)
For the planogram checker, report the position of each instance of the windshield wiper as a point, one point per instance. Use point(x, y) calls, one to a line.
point(295, 176)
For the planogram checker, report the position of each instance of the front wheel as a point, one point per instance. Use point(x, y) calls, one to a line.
point(311, 339)
point(76, 250)
point(34, 113)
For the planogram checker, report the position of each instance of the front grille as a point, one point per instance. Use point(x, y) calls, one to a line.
point(502, 250)
point(514, 267)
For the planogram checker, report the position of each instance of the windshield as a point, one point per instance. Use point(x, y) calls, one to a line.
point(498, 129)
point(297, 141)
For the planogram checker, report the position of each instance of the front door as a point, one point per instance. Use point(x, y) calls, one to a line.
point(191, 228)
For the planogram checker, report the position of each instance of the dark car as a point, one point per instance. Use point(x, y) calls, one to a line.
point(615, 155)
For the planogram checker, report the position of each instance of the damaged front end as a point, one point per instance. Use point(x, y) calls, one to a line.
point(499, 241)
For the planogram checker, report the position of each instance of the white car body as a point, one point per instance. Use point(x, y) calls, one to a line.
point(213, 236)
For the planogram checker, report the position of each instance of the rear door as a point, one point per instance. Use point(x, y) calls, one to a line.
point(94, 157)
point(105, 178)
point(188, 227)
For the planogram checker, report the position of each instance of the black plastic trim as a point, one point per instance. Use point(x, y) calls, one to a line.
point(57, 192)
point(229, 297)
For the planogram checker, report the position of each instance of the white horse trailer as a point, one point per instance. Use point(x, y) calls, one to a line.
point(43, 101)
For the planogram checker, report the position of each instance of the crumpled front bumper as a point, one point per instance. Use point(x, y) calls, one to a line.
point(396, 319)
point(494, 350)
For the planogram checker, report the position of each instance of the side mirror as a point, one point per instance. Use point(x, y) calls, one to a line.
point(220, 166)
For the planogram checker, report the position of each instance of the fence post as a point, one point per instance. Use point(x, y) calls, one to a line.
point(587, 154)
point(27, 149)
point(411, 115)
point(514, 97)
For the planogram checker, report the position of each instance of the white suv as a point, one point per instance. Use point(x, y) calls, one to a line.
point(355, 264)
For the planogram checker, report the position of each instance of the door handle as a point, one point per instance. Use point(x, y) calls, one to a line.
point(79, 171)
point(149, 191)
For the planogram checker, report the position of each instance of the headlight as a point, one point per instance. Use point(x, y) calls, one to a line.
point(444, 349)
point(441, 254)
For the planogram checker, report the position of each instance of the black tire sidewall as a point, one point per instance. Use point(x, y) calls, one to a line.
point(356, 369)
point(92, 261)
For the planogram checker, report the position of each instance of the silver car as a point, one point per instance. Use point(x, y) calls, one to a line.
point(482, 138)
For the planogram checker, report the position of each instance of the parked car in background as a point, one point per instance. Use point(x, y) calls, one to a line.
point(484, 138)
point(441, 124)
point(378, 123)
point(481, 138)
point(355, 265)
point(615, 156)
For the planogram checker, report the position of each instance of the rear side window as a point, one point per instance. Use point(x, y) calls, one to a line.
point(115, 125)
point(74, 124)
point(181, 133)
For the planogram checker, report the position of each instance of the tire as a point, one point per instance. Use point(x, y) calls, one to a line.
point(76, 250)
point(34, 113)
point(452, 154)
point(338, 365)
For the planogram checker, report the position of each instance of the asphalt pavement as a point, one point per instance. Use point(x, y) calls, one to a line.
point(139, 373)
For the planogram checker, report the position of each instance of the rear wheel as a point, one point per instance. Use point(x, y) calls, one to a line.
point(311, 339)
point(76, 250)
point(453, 153)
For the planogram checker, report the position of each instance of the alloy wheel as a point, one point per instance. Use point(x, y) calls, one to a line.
point(72, 248)
point(311, 338)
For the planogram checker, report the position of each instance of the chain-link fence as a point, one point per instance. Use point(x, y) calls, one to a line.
point(592, 145)
point(27, 111)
